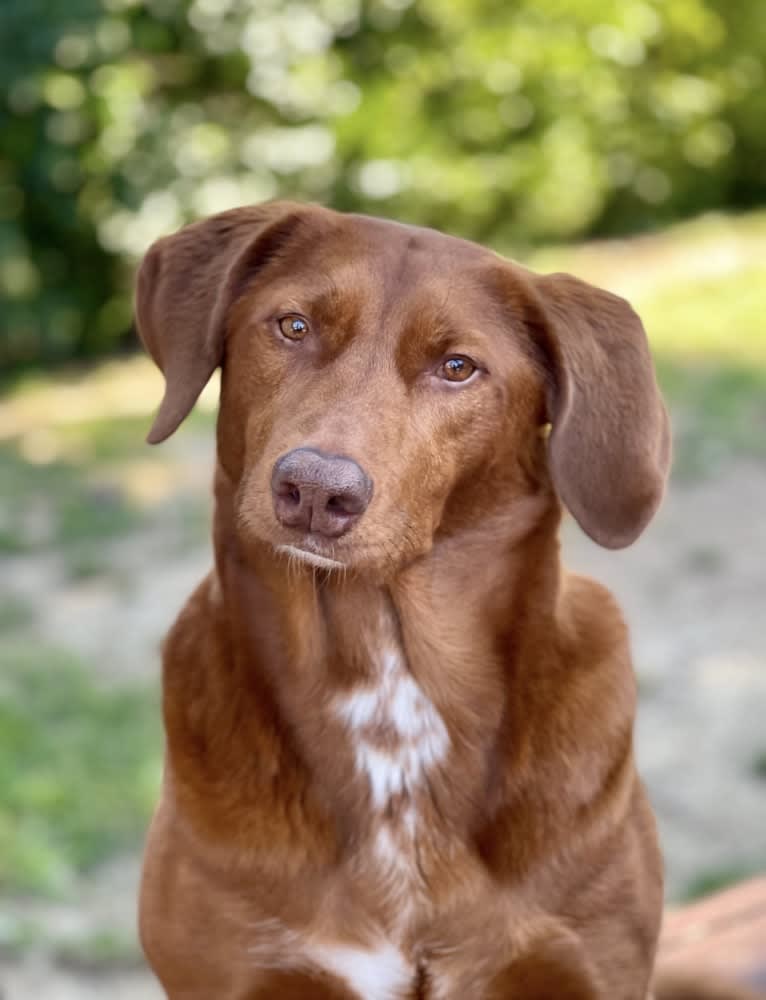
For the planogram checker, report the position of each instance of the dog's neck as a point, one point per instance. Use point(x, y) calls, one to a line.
point(472, 590)
point(435, 643)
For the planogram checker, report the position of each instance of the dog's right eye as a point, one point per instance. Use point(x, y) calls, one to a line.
point(293, 327)
point(457, 368)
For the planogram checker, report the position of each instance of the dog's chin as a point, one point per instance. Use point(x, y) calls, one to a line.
point(377, 565)
point(372, 556)
point(314, 560)
point(341, 561)
point(344, 561)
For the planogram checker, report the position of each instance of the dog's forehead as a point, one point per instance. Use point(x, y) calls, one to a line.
point(336, 240)
point(397, 241)
point(364, 257)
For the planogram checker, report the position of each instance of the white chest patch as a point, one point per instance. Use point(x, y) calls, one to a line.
point(397, 733)
point(376, 974)
point(396, 736)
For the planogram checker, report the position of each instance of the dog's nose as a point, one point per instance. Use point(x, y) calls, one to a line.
point(322, 493)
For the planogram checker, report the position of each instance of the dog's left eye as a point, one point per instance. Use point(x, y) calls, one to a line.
point(457, 369)
point(293, 327)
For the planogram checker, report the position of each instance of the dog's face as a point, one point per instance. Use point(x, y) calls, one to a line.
point(371, 375)
point(384, 384)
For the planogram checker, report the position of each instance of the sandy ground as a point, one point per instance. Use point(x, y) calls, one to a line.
point(694, 591)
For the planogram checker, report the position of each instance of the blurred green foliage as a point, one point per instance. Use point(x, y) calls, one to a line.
point(508, 122)
point(79, 769)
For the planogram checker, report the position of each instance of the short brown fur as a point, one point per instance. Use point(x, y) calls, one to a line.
point(522, 861)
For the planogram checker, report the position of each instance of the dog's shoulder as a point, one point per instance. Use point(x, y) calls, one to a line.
point(197, 639)
point(591, 621)
point(595, 656)
point(197, 619)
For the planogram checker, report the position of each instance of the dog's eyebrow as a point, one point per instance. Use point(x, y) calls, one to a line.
point(313, 293)
point(325, 293)
point(443, 335)
point(436, 322)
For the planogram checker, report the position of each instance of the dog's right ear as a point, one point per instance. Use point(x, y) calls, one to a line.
point(186, 286)
point(609, 448)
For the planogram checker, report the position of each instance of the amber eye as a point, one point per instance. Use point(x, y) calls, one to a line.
point(293, 327)
point(456, 369)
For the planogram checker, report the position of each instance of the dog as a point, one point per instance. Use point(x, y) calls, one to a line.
point(399, 734)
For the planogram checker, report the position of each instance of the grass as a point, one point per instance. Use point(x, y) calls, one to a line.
point(98, 951)
point(704, 560)
point(718, 409)
point(715, 879)
point(709, 339)
point(759, 765)
point(91, 951)
point(83, 495)
point(720, 318)
point(19, 936)
point(79, 770)
point(700, 289)
point(15, 613)
point(59, 503)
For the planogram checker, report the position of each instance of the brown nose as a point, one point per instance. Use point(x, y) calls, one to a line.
point(322, 493)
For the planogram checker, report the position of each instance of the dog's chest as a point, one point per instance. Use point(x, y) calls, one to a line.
point(396, 739)
point(396, 735)
point(396, 743)
point(384, 919)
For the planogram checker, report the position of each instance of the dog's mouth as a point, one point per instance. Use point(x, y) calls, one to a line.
point(304, 555)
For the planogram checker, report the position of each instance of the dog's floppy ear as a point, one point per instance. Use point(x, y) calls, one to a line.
point(186, 285)
point(609, 448)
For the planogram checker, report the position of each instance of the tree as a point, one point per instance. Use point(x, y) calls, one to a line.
point(507, 122)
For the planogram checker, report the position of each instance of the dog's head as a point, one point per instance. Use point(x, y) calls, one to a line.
point(384, 384)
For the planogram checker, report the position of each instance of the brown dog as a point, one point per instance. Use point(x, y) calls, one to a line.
point(399, 735)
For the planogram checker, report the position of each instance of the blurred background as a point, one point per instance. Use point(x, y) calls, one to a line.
point(622, 140)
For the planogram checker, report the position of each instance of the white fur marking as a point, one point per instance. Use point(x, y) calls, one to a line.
point(386, 847)
point(396, 703)
point(360, 708)
point(410, 822)
point(379, 974)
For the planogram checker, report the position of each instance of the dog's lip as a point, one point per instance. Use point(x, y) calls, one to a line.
point(312, 558)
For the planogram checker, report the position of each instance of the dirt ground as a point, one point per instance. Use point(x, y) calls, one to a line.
point(694, 591)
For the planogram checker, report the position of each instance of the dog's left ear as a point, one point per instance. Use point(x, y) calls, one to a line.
point(609, 448)
point(186, 286)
